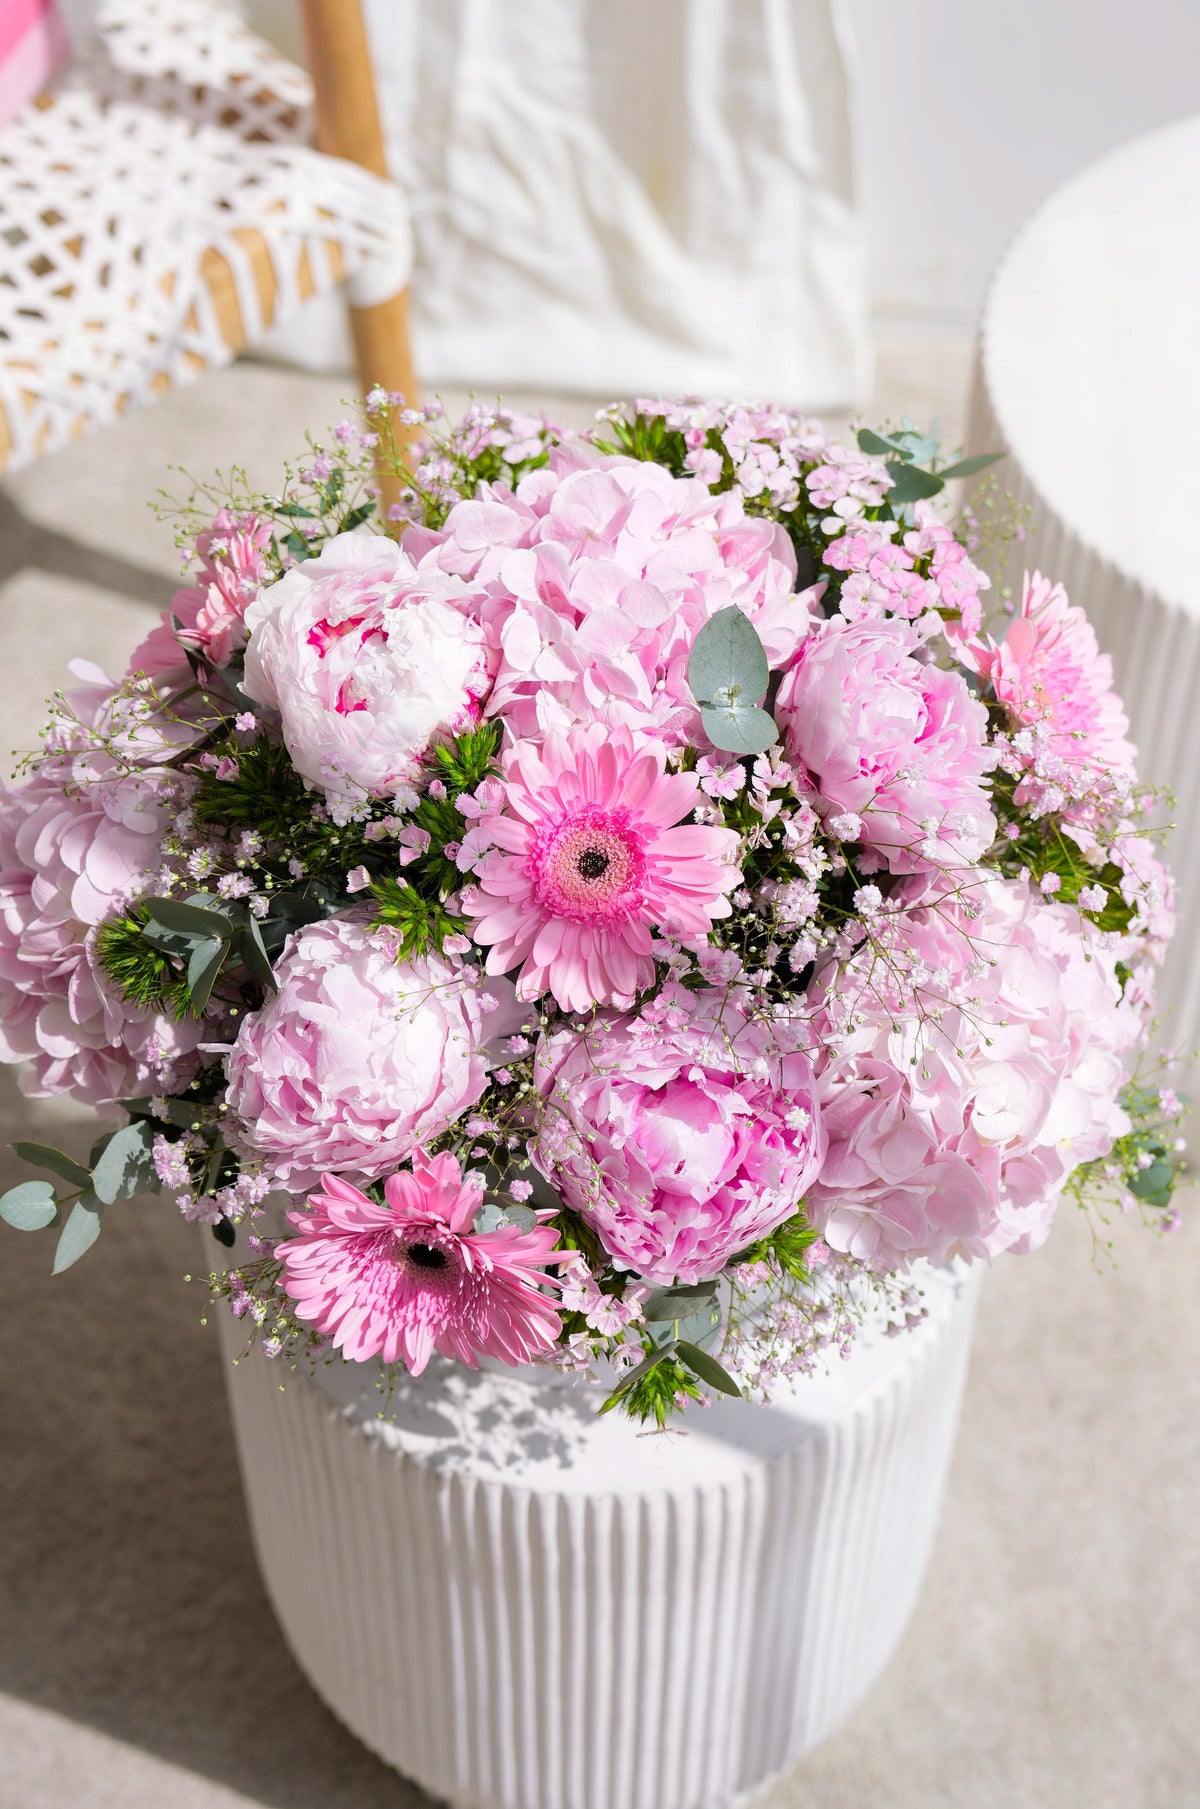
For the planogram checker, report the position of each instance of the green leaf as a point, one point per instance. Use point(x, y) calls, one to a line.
point(224, 1233)
point(875, 443)
point(299, 547)
point(728, 663)
point(80, 1231)
point(41, 1155)
point(1155, 1180)
point(254, 954)
point(354, 518)
point(189, 920)
point(677, 1303)
point(707, 1368)
point(295, 509)
point(968, 467)
point(30, 1207)
point(492, 1217)
point(911, 484)
point(205, 964)
point(648, 1363)
point(126, 1166)
point(739, 728)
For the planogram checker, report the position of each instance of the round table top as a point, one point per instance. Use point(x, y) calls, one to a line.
point(1091, 356)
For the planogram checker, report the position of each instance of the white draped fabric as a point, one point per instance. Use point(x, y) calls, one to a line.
point(611, 196)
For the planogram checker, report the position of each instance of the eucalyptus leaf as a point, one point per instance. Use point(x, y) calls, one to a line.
point(171, 942)
point(875, 443)
point(189, 919)
point(699, 1326)
point(728, 664)
point(126, 1166)
point(674, 1303)
point(911, 484)
point(80, 1231)
point(492, 1217)
point(968, 467)
point(1150, 1181)
point(42, 1155)
point(703, 1364)
point(254, 953)
point(739, 728)
point(29, 1207)
point(203, 967)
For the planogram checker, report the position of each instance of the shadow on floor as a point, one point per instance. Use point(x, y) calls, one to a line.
point(31, 544)
point(130, 1596)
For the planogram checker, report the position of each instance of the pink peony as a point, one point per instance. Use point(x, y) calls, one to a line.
point(587, 859)
point(357, 1056)
point(367, 661)
point(900, 744)
point(1049, 669)
point(953, 1127)
point(679, 1147)
point(595, 578)
point(75, 846)
point(403, 1280)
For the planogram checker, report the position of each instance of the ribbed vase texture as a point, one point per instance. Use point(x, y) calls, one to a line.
point(518, 1604)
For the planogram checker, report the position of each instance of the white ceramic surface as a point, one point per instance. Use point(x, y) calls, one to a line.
point(522, 1606)
point(1088, 375)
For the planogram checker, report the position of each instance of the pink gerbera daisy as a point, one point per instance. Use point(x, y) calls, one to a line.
point(1049, 669)
point(402, 1280)
point(587, 859)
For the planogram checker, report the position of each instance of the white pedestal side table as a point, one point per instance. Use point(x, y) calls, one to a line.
point(1088, 375)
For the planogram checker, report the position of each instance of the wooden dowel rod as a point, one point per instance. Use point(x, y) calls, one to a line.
point(347, 125)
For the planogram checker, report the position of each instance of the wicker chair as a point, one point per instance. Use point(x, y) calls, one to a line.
point(164, 205)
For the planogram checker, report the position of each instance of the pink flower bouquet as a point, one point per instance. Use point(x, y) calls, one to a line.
point(629, 910)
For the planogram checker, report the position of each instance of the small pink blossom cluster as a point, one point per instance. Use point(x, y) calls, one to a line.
point(635, 889)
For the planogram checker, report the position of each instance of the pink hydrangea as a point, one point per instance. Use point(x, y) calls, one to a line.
point(679, 1147)
point(403, 1279)
point(588, 856)
point(357, 1056)
point(893, 740)
point(1049, 670)
point(954, 1125)
point(597, 575)
point(76, 845)
point(367, 660)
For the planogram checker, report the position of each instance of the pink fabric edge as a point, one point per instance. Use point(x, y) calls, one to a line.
point(31, 63)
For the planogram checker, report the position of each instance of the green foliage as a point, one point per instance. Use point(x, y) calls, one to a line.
point(647, 437)
point(80, 1231)
point(121, 1166)
point(676, 1368)
point(30, 1206)
point(423, 923)
point(728, 674)
point(465, 760)
point(144, 974)
point(266, 793)
point(784, 1247)
point(415, 905)
point(913, 463)
point(1042, 847)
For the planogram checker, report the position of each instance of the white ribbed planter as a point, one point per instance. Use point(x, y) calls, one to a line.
point(522, 1606)
point(1087, 373)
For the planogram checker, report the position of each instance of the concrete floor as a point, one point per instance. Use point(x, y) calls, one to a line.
point(1054, 1658)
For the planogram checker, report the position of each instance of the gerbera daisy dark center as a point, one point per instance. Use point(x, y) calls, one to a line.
point(593, 863)
point(427, 1256)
